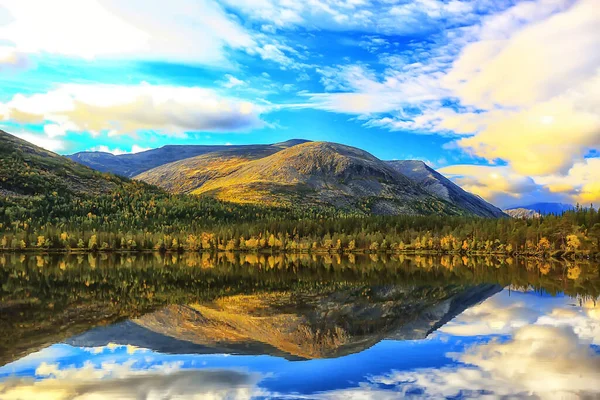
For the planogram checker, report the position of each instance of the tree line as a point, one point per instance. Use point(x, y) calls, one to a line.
point(137, 219)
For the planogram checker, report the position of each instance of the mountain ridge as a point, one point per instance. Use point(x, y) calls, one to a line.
point(290, 173)
point(341, 174)
point(313, 172)
point(130, 165)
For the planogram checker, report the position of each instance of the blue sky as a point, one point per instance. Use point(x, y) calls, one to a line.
point(512, 345)
point(470, 86)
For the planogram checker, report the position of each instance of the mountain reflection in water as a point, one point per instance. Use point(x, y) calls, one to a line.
point(264, 326)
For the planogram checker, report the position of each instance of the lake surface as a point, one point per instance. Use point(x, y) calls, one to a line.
point(229, 326)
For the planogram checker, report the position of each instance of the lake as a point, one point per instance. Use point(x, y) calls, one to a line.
point(241, 326)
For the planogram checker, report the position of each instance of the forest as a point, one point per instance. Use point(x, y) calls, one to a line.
point(138, 219)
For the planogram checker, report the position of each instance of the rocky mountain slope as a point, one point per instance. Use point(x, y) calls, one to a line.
point(313, 173)
point(440, 186)
point(522, 213)
point(26, 169)
point(295, 325)
point(544, 208)
point(130, 165)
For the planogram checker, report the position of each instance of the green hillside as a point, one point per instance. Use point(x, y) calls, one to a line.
point(26, 169)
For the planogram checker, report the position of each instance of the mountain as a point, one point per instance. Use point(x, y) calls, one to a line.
point(546, 208)
point(294, 325)
point(312, 173)
point(522, 213)
point(440, 186)
point(130, 165)
point(26, 169)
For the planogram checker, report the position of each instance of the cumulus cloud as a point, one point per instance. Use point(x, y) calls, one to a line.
point(547, 355)
point(581, 183)
point(10, 58)
point(505, 187)
point(503, 315)
point(541, 102)
point(191, 31)
point(493, 316)
point(542, 361)
point(42, 140)
point(124, 381)
point(231, 81)
point(117, 152)
point(497, 184)
point(539, 362)
point(131, 108)
point(358, 90)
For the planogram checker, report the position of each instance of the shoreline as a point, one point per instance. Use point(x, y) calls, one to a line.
point(556, 255)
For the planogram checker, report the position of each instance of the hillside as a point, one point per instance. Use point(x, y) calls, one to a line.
point(130, 165)
point(26, 169)
point(440, 186)
point(313, 173)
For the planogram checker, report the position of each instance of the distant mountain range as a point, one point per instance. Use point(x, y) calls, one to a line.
point(296, 172)
point(130, 165)
point(292, 173)
point(537, 209)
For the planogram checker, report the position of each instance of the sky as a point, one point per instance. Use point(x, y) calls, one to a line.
point(512, 345)
point(503, 96)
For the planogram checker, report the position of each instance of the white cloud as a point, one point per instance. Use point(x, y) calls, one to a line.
point(54, 130)
point(383, 17)
point(125, 381)
point(581, 182)
point(360, 91)
point(542, 102)
point(11, 58)
point(505, 187)
point(493, 316)
point(503, 315)
point(130, 108)
point(43, 141)
point(547, 355)
point(231, 81)
point(189, 31)
point(539, 361)
point(499, 185)
point(117, 152)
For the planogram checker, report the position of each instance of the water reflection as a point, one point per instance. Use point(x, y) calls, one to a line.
point(294, 325)
point(264, 326)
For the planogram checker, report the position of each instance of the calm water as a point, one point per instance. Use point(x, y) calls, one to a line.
point(232, 326)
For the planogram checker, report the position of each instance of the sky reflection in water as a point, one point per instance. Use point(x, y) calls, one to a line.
point(512, 344)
